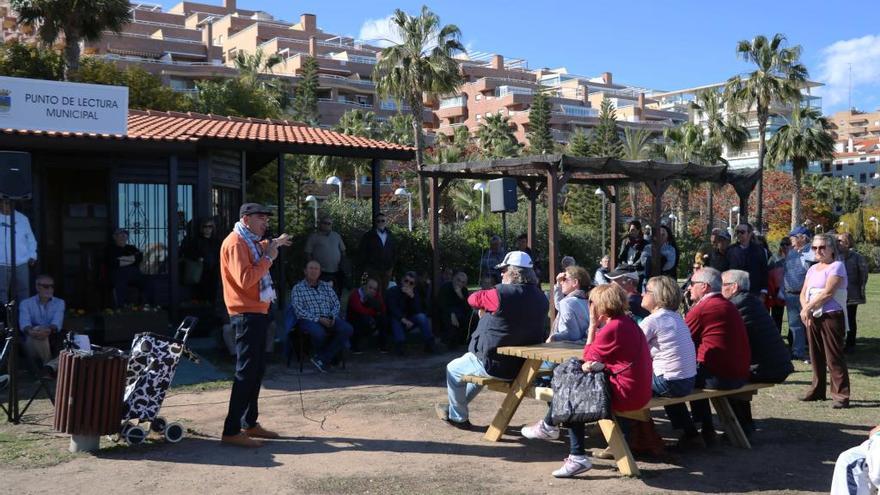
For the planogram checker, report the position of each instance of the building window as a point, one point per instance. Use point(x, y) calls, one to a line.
point(143, 211)
point(838, 167)
point(224, 207)
point(863, 178)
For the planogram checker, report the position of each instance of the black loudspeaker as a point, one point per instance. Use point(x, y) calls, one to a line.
point(502, 195)
point(15, 175)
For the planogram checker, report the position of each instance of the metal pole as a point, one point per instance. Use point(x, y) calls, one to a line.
point(340, 190)
point(482, 201)
point(409, 209)
point(315, 209)
point(12, 325)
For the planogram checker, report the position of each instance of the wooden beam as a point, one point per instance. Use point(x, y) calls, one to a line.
point(173, 242)
point(375, 175)
point(611, 194)
point(242, 160)
point(279, 262)
point(434, 228)
point(203, 187)
point(657, 189)
point(552, 229)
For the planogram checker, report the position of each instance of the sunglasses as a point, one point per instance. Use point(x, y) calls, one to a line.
point(408, 281)
point(819, 248)
point(46, 286)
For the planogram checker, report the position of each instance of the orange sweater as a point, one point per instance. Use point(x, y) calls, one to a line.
point(241, 277)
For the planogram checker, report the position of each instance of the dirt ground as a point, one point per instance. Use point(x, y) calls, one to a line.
point(371, 428)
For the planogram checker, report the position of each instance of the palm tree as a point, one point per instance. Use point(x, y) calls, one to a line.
point(496, 137)
point(723, 128)
point(687, 143)
point(635, 147)
point(778, 77)
point(421, 64)
point(358, 123)
point(398, 129)
point(802, 140)
point(253, 70)
point(76, 20)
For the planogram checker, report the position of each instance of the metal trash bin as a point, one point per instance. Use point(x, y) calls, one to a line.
point(88, 395)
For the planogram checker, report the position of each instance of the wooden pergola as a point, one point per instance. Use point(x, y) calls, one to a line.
point(535, 174)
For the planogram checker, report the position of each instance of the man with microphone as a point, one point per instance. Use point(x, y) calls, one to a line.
point(245, 259)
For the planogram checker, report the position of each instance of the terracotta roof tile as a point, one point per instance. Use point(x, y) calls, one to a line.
point(151, 125)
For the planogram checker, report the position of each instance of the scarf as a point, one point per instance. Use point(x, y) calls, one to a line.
point(267, 292)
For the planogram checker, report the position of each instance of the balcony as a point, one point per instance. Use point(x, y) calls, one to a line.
point(347, 102)
point(451, 108)
point(578, 111)
point(334, 80)
point(505, 90)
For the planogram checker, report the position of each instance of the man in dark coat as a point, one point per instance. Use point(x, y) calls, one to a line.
point(515, 315)
point(771, 361)
point(378, 251)
point(749, 256)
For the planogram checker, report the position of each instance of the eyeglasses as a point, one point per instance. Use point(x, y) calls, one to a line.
point(46, 286)
point(724, 284)
point(819, 248)
point(698, 282)
point(380, 221)
point(408, 281)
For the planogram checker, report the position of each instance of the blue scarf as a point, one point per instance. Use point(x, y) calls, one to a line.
point(267, 292)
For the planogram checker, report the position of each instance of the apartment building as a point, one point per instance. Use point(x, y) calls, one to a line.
point(494, 85)
point(854, 124)
point(858, 159)
point(681, 100)
point(9, 26)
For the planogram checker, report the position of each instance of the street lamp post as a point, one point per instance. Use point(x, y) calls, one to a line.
point(481, 186)
point(730, 225)
point(672, 220)
point(335, 181)
point(876, 226)
point(314, 201)
point(600, 192)
point(403, 192)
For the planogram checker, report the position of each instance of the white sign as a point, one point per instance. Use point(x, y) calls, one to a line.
point(38, 105)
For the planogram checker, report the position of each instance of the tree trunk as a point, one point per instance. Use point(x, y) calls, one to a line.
point(797, 172)
point(762, 150)
point(682, 221)
point(357, 179)
point(416, 108)
point(71, 55)
point(710, 207)
point(633, 199)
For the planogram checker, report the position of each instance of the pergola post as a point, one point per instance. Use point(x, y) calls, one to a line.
point(282, 282)
point(657, 187)
point(173, 242)
point(744, 208)
point(434, 219)
point(531, 191)
point(552, 227)
point(615, 208)
point(375, 173)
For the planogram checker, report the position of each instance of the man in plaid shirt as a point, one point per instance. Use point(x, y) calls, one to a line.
point(317, 313)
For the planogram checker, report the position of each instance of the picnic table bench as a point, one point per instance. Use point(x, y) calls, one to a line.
point(558, 352)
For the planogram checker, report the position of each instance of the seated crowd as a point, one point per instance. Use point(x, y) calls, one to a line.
point(726, 340)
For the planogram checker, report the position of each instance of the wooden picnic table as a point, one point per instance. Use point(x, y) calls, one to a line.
point(559, 352)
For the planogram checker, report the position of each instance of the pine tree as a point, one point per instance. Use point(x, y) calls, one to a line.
point(305, 102)
point(540, 139)
point(581, 205)
point(605, 141)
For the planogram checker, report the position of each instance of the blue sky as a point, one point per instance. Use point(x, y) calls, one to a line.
point(668, 45)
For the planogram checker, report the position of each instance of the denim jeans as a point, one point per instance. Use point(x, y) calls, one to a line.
point(661, 387)
point(461, 393)
point(250, 366)
point(796, 326)
point(339, 340)
point(420, 321)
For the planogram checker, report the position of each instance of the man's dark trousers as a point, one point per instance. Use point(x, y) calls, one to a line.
point(250, 349)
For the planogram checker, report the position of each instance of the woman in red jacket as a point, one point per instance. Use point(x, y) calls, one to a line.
point(615, 344)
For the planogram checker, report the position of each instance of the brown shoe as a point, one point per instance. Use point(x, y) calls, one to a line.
point(810, 398)
point(604, 454)
point(241, 440)
point(260, 432)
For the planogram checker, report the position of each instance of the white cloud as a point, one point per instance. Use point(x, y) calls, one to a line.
point(379, 32)
point(864, 55)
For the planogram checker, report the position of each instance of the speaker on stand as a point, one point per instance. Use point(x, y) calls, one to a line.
point(502, 198)
point(15, 185)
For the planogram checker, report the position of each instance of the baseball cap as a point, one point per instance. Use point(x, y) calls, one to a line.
point(723, 233)
point(623, 271)
point(800, 230)
point(516, 258)
point(252, 208)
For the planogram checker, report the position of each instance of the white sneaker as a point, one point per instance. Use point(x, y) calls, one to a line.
point(541, 431)
point(573, 466)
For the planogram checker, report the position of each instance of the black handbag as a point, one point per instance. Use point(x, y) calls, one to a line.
point(578, 396)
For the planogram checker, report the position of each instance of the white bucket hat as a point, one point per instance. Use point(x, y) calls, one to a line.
point(516, 258)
